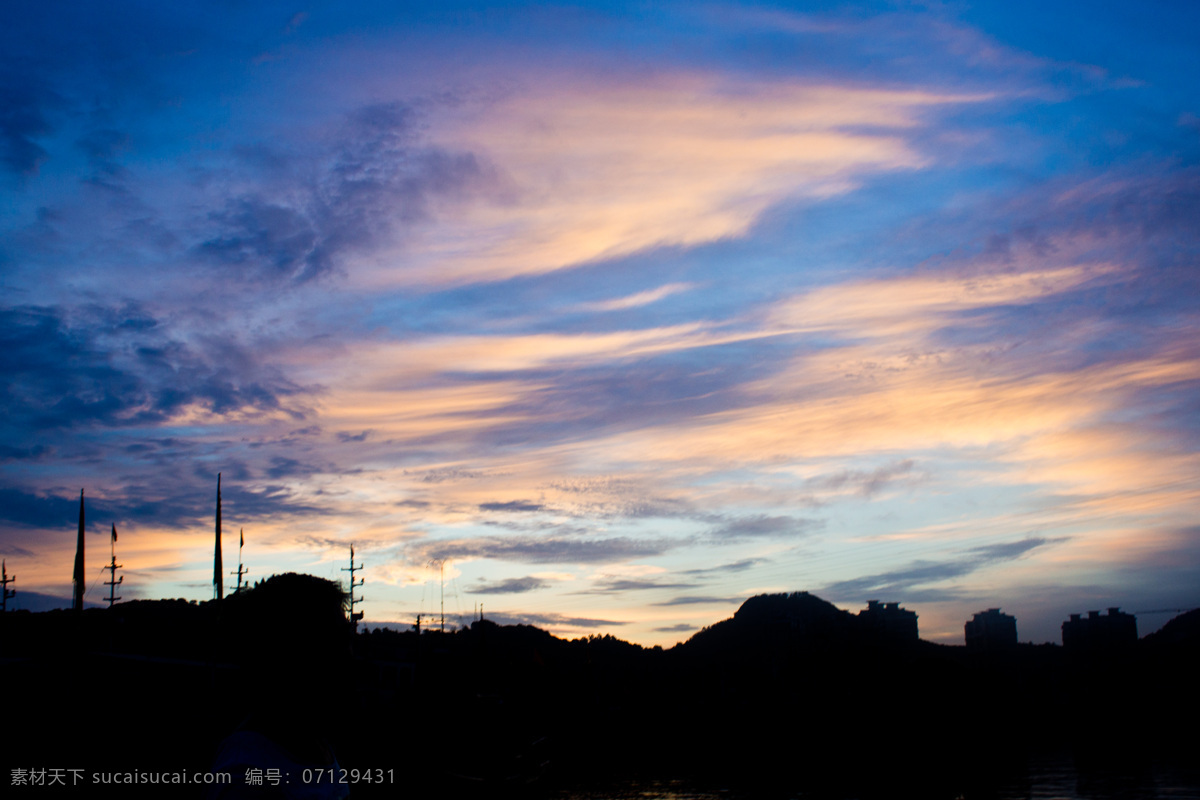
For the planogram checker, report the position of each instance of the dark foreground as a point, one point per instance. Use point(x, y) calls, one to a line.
point(791, 697)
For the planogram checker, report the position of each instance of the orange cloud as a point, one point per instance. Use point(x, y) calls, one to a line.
point(593, 171)
point(918, 304)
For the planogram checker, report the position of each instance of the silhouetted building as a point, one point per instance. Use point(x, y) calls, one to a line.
point(991, 630)
point(1098, 632)
point(890, 621)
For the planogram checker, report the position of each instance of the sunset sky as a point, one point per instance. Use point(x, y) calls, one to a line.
point(624, 311)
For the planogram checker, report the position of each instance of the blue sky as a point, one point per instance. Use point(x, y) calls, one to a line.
point(625, 312)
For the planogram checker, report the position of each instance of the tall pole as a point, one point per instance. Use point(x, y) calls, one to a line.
point(354, 616)
point(443, 595)
point(112, 583)
point(78, 577)
point(8, 593)
point(218, 578)
point(241, 571)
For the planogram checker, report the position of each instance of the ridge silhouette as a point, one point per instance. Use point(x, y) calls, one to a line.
point(790, 693)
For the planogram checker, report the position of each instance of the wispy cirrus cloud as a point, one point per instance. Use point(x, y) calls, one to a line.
point(631, 584)
point(919, 304)
point(509, 586)
point(918, 579)
point(554, 623)
point(865, 483)
point(608, 169)
point(541, 549)
point(373, 180)
point(636, 300)
point(700, 600)
point(516, 506)
point(735, 566)
point(762, 525)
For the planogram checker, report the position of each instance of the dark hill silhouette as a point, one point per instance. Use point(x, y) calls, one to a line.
point(1181, 631)
point(798, 623)
point(797, 611)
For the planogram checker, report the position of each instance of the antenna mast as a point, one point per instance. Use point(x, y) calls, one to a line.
point(441, 562)
point(241, 571)
point(354, 616)
point(113, 582)
point(8, 593)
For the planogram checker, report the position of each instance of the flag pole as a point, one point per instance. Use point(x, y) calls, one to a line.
point(78, 577)
point(241, 571)
point(218, 578)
